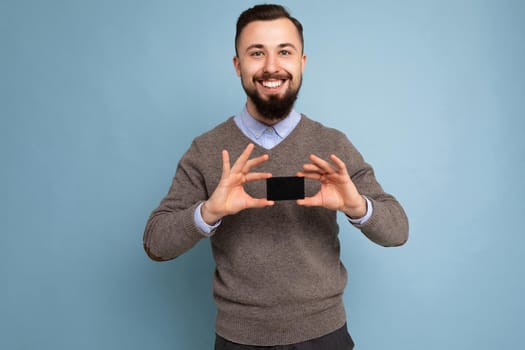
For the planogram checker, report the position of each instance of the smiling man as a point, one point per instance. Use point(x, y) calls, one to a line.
point(270, 69)
point(279, 280)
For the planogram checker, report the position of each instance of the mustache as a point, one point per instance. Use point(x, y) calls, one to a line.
point(276, 76)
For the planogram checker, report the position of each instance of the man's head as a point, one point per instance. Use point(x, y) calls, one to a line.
point(270, 60)
point(265, 13)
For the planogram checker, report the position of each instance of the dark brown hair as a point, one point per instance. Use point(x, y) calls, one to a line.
point(266, 12)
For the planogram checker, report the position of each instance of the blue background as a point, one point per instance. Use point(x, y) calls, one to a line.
point(99, 100)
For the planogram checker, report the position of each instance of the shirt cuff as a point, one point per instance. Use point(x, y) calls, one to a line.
point(206, 230)
point(369, 211)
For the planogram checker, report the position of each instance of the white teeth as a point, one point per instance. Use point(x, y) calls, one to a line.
point(272, 84)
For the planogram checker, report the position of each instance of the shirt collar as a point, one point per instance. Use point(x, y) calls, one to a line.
point(283, 128)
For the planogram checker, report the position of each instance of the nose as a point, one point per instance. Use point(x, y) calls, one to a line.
point(271, 64)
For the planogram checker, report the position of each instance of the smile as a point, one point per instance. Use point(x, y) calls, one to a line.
point(272, 84)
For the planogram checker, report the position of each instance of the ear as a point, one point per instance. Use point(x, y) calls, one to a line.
point(237, 65)
point(303, 63)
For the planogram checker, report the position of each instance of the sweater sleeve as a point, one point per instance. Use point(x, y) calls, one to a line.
point(171, 229)
point(388, 225)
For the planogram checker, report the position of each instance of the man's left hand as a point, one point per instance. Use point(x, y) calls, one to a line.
point(337, 192)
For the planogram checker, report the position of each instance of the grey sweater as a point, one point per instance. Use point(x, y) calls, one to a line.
point(278, 277)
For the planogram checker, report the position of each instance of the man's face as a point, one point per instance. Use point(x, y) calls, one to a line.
point(270, 63)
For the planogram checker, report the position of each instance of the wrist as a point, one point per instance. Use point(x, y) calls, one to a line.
point(356, 211)
point(209, 216)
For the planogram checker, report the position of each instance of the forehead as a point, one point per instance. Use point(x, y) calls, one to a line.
point(270, 33)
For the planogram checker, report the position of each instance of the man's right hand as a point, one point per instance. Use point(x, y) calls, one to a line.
point(230, 197)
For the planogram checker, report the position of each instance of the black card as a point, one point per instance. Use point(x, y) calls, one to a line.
point(285, 188)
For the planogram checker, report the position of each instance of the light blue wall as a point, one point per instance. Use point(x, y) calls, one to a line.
point(99, 99)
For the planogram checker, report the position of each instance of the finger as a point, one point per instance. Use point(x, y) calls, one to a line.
point(243, 158)
point(252, 163)
point(225, 163)
point(257, 176)
point(302, 202)
point(312, 168)
point(339, 163)
point(310, 201)
point(322, 164)
point(309, 175)
point(259, 203)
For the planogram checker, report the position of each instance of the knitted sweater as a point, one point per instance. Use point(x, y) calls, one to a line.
point(278, 278)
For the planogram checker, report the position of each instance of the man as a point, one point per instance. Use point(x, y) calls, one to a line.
point(279, 280)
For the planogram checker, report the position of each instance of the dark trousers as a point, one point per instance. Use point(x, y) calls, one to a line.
point(337, 340)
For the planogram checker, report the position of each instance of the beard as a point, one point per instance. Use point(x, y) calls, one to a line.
point(274, 108)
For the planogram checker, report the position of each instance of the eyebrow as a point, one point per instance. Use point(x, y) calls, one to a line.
point(261, 46)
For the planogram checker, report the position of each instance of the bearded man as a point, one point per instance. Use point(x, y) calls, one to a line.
point(279, 280)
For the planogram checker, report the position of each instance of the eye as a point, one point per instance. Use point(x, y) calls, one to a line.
point(257, 54)
point(284, 53)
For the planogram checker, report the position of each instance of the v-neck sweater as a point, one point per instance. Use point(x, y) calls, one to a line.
point(278, 278)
